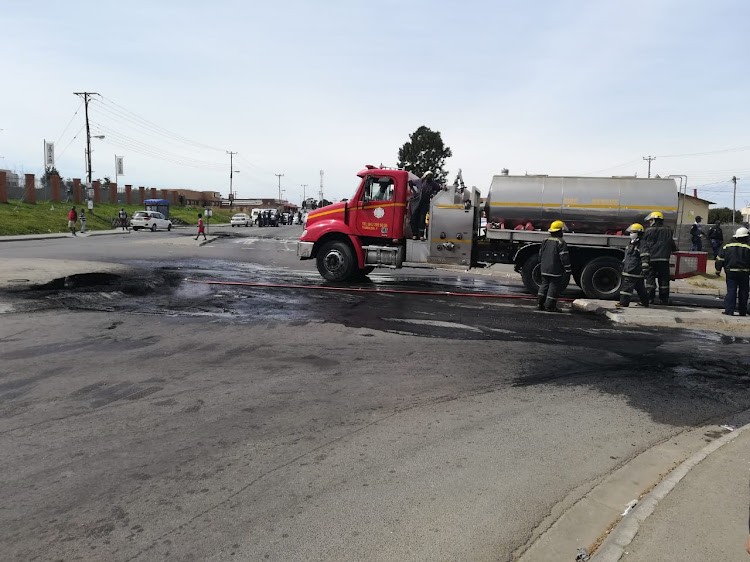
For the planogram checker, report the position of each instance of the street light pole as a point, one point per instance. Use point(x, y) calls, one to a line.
point(279, 176)
point(231, 168)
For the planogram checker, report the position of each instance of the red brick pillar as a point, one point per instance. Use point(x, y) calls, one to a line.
point(128, 195)
point(30, 192)
point(77, 190)
point(165, 194)
point(97, 191)
point(174, 198)
point(153, 193)
point(112, 192)
point(54, 182)
point(142, 194)
point(3, 187)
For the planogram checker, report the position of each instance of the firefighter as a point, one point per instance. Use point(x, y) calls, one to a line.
point(734, 258)
point(632, 270)
point(656, 248)
point(555, 265)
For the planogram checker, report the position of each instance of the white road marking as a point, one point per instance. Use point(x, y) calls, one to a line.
point(435, 323)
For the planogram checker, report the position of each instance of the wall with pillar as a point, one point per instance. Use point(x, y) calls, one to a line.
point(128, 194)
point(3, 187)
point(77, 191)
point(54, 182)
point(112, 192)
point(97, 191)
point(30, 191)
point(153, 193)
point(142, 194)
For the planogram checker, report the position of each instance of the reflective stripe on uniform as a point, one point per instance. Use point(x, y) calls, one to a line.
point(633, 275)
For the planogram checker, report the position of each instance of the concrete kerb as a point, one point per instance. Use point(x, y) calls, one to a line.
point(613, 547)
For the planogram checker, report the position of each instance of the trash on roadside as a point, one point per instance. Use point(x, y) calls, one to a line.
point(583, 555)
point(631, 505)
point(728, 427)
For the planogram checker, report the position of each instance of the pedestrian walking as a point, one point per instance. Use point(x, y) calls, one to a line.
point(82, 218)
point(72, 218)
point(201, 228)
point(716, 237)
point(734, 259)
point(657, 246)
point(555, 266)
point(632, 269)
point(123, 215)
point(696, 235)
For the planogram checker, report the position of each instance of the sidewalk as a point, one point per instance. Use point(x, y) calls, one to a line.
point(54, 235)
point(698, 513)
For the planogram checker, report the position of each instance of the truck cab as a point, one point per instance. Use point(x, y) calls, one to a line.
point(348, 239)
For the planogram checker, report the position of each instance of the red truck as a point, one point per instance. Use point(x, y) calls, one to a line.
point(349, 239)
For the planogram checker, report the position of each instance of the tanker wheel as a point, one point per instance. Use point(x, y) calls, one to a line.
point(335, 261)
point(531, 274)
point(600, 278)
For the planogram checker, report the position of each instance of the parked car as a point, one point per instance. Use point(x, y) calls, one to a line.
point(241, 219)
point(150, 220)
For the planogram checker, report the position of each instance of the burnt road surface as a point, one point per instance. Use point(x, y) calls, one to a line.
point(157, 416)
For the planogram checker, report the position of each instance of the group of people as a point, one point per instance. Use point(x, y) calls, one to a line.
point(73, 218)
point(645, 265)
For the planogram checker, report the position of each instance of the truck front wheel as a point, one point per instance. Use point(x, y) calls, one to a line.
point(600, 278)
point(335, 261)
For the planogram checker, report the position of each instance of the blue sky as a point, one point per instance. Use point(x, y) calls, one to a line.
point(575, 88)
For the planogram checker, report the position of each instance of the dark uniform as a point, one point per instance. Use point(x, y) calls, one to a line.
point(555, 265)
point(656, 248)
point(632, 275)
point(734, 258)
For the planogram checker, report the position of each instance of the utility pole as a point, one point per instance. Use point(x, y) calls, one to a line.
point(279, 176)
point(86, 97)
point(321, 186)
point(231, 170)
point(734, 199)
point(649, 158)
point(304, 187)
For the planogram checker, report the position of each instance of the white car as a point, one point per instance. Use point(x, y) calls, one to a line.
point(150, 220)
point(241, 219)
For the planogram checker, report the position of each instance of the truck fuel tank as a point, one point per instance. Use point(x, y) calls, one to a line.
point(586, 204)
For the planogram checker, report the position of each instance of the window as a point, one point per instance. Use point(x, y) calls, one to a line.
point(379, 189)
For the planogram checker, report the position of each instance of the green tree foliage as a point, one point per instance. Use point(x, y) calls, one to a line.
point(425, 151)
point(48, 171)
point(724, 216)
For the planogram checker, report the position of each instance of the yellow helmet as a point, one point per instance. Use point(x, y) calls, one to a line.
point(635, 227)
point(556, 226)
point(655, 215)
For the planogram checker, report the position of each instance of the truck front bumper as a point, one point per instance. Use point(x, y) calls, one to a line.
point(305, 250)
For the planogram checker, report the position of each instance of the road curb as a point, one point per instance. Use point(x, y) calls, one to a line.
point(613, 547)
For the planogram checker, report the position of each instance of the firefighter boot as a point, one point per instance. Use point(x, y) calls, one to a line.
point(540, 302)
point(551, 306)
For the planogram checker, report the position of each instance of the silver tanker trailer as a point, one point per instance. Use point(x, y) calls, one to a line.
point(519, 209)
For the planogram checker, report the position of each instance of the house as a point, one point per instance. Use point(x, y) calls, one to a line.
point(689, 207)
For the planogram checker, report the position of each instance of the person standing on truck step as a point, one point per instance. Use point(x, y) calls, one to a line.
point(632, 269)
point(555, 265)
point(427, 189)
point(734, 258)
point(656, 248)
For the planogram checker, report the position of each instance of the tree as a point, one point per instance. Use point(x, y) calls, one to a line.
point(425, 151)
point(724, 216)
point(48, 171)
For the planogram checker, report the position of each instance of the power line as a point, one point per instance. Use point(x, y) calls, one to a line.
point(69, 122)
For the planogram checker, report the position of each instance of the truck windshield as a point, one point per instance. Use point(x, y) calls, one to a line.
point(378, 189)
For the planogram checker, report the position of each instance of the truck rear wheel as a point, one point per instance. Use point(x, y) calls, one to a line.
point(335, 261)
point(531, 274)
point(600, 278)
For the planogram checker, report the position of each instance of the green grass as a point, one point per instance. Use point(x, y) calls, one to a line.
point(17, 217)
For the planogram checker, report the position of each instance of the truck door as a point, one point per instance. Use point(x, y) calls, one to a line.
point(374, 211)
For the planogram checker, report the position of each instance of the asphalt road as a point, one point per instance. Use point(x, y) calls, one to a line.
point(160, 416)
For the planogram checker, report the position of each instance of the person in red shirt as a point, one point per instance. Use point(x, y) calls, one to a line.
point(72, 218)
point(201, 229)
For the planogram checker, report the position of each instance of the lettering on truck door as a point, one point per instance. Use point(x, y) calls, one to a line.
point(376, 207)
